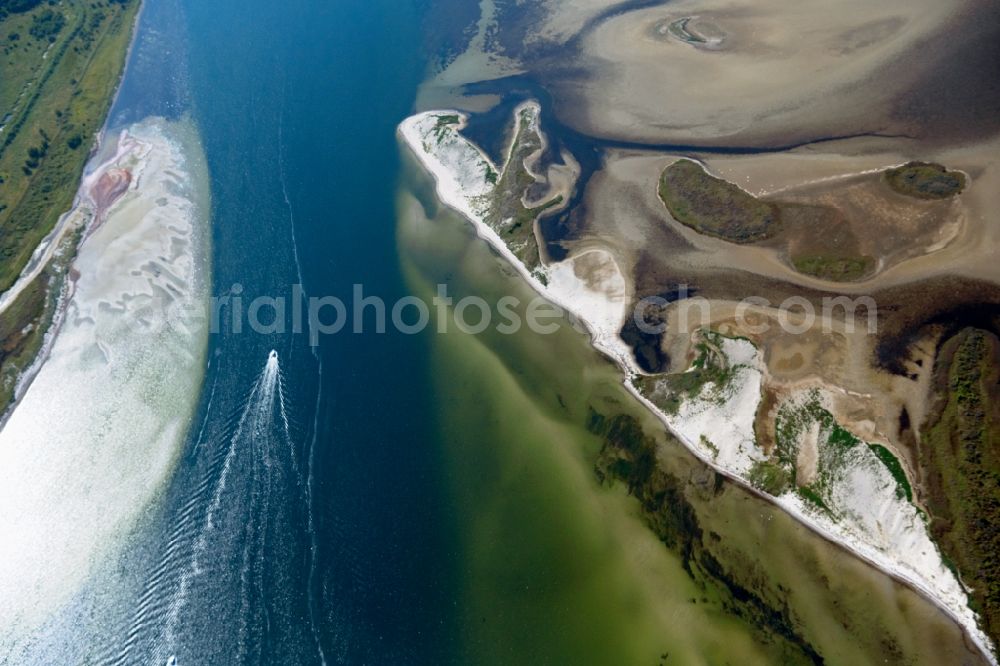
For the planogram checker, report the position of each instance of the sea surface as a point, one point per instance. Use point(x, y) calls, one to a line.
point(388, 498)
point(306, 522)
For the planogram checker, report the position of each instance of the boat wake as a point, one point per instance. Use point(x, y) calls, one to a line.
point(222, 585)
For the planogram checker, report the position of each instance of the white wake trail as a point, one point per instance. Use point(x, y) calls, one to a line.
point(246, 472)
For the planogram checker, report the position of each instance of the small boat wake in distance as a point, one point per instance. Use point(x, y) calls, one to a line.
point(220, 591)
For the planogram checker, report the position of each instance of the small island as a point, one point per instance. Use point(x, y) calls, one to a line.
point(925, 180)
point(715, 207)
point(844, 229)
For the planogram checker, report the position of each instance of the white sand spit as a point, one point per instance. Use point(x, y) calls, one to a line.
point(99, 430)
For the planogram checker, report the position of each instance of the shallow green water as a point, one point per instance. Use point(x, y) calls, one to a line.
point(559, 568)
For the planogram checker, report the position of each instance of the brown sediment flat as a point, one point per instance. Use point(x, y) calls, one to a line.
point(562, 20)
point(771, 79)
point(551, 180)
point(806, 463)
point(912, 239)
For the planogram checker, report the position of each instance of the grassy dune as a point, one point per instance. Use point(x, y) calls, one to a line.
point(925, 180)
point(515, 222)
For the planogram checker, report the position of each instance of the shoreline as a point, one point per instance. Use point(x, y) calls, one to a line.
point(123, 370)
point(454, 198)
point(49, 249)
point(37, 263)
point(617, 351)
point(84, 218)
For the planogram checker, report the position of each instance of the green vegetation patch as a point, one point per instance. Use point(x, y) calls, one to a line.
point(710, 368)
point(23, 326)
point(692, 382)
point(443, 125)
point(903, 488)
point(53, 104)
point(833, 268)
point(925, 180)
point(46, 25)
point(811, 496)
point(960, 465)
point(17, 6)
point(715, 207)
point(841, 437)
point(771, 477)
point(710, 445)
point(792, 422)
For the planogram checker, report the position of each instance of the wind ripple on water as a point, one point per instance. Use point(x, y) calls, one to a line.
point(223, 584)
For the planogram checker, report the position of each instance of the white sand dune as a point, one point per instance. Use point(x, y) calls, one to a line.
point(872, 519)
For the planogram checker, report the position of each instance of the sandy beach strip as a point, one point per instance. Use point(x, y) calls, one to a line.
point(99, 430)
